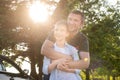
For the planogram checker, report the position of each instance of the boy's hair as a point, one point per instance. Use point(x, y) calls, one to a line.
point(78, 12)
point(60, 23)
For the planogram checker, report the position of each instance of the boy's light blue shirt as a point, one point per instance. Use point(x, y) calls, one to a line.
point(61, 75)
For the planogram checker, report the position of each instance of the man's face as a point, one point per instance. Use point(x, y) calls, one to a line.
point(74, 22)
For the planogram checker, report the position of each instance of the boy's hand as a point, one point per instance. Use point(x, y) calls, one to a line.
point(63, 65)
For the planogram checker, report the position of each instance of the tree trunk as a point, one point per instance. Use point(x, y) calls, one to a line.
point(33, 61)
point(61, 11)
point(108, 77)
point(33, 69)
point(40, 63)
point(113, 77)
point(87, 74)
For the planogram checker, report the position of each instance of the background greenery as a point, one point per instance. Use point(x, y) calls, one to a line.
point(102, 28)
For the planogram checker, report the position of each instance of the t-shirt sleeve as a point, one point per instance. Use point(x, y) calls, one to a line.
point(46, 63)
point(84, 44)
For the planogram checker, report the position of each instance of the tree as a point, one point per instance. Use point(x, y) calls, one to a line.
point(104, 41)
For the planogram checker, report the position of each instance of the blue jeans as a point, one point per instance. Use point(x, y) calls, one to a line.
point(46, 77)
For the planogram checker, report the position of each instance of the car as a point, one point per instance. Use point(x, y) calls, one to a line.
point(9, 70)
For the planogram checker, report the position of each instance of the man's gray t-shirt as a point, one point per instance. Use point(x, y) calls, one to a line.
point(80, 41)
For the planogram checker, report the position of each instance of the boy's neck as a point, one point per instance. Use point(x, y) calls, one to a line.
point(60, 43)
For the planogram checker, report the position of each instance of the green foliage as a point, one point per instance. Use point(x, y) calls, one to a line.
point(102, 28)
point(104, 42)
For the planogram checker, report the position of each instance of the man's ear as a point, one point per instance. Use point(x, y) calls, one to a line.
point(81, 25)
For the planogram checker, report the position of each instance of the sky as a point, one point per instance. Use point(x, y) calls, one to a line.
point(112, 2)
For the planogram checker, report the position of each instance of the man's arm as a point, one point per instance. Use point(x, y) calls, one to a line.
point(48, 51)
point(83, 63)
point(84, 54)
point(66, 69)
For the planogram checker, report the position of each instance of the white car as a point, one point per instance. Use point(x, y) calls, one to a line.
point(11, 71)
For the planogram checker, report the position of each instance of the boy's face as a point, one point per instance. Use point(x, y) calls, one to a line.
point(60, 32)
point(74, 22)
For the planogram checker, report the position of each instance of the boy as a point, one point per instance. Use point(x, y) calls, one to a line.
point(50, 66)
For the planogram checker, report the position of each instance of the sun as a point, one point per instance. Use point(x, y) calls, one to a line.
point(38, 12)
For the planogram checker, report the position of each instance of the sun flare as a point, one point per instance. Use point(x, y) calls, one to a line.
point(38, 12)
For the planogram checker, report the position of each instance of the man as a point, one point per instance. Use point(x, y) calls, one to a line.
point(79, 40)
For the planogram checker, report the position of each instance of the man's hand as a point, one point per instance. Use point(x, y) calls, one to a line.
point(63, 65)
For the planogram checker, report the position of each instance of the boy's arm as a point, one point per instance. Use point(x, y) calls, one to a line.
point(49, 65)
point(53, 65)
point(48, 51)
point(46, 63)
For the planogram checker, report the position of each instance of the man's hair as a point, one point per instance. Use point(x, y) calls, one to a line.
point(78, 12)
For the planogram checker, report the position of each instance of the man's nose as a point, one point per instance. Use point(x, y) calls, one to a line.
point(58, 32)
point(71, 22)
